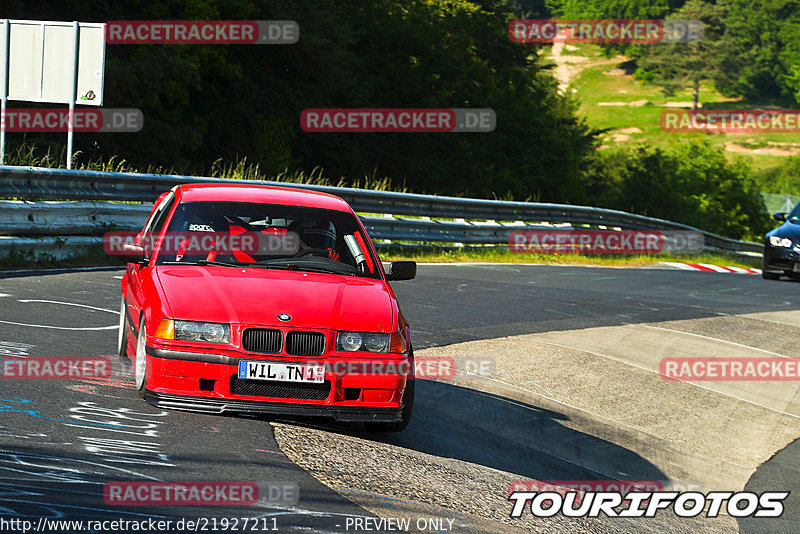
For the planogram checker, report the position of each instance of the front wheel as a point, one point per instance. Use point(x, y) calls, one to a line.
point(140, 365)
point(764, 263)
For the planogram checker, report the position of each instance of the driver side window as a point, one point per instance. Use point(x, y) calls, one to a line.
point(153, 229)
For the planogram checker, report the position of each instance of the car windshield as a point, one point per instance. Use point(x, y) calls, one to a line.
point(261, 235)
point(794, 215)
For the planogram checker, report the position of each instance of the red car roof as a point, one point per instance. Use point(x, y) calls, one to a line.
point(262, 193)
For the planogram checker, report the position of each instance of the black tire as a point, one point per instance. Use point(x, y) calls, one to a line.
point(408, 408)
point(140, 364)
point(764, 262)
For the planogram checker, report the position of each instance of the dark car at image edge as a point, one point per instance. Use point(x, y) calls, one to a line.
point(782, 247)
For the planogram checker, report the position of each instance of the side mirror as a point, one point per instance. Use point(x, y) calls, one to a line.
point(132, 253)
point(780, 216)
point(401, 270)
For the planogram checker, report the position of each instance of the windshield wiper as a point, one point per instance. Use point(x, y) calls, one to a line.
point(289, 264)
point(317, 269)
point(299, 264)
point(206, 262)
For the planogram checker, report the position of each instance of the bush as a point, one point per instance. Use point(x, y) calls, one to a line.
point(784, 178)
point(691, 183)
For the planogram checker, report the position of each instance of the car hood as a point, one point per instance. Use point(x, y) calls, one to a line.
point(787, 229)
point(258, 296)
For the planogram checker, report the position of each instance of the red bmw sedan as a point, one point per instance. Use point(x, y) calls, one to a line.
point(258, 299)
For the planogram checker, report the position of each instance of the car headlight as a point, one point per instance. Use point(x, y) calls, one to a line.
point(199, 331)
point(777, 241)
point(363, 342)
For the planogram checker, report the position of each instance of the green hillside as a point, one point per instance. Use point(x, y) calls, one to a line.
point(611, 99)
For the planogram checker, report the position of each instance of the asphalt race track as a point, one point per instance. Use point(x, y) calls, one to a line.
point(573, 397)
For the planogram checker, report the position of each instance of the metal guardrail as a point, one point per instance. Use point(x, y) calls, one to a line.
point(474, 221)
point(46, 248)
point(69, 218)
point(95, 218)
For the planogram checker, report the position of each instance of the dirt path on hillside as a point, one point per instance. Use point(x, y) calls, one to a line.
point(568, 67)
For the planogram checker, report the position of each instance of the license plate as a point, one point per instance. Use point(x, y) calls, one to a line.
point(282, 372)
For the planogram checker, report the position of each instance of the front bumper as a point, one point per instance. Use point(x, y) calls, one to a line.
point(780, 260)
point(208, 382)
point(219, 406)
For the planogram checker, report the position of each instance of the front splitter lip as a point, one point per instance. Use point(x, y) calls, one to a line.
point(354, 414)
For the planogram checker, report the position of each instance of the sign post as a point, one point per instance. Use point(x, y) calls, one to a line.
point(4, 38)
point(76, 46)
point(52, 62)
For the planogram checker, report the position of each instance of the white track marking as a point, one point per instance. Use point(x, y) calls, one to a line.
point(711, 267)
point(64, 270)
point(115, 312)
point(112, 327)
point(716, 339)
point(78, 328)
point(796, 416)
point(21, 458)
point(679, 265)
point(715, 268)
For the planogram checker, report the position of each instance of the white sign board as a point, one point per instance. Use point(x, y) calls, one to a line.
point(51, 62)
point(42, 61)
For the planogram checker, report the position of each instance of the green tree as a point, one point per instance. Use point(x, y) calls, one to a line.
point(615, 9)
point(204, 102)
point(675, 66)
point(692, 183)
point(761, 50)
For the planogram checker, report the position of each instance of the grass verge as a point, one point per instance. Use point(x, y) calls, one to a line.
point(439, 255)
